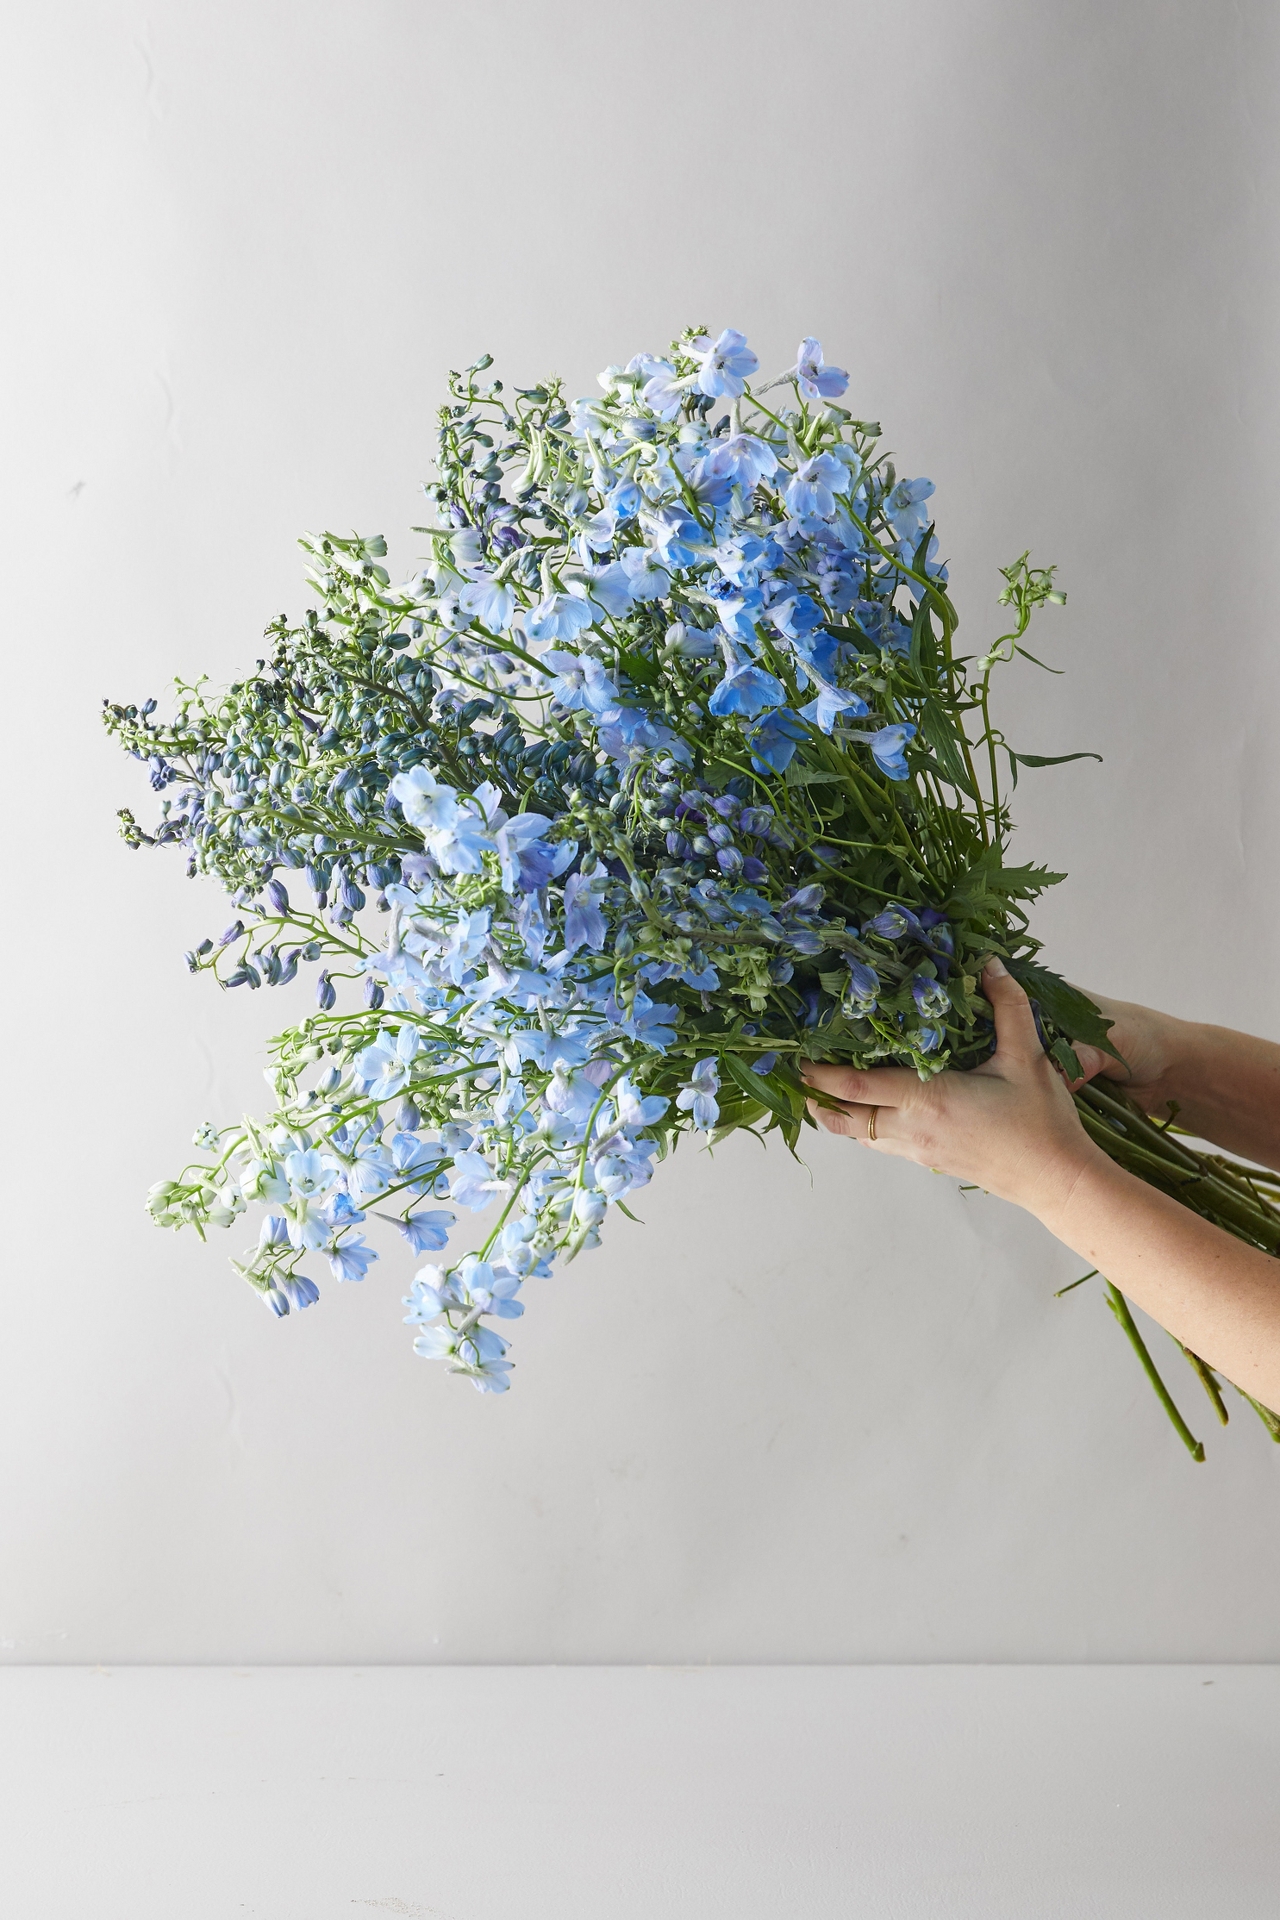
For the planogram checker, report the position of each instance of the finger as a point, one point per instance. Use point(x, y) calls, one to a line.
point(1017, 1037)
point(869, 1086)
point(1095, 1061)
point(852, 1123)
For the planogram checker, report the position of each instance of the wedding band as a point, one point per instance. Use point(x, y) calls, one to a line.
point(871, 1124)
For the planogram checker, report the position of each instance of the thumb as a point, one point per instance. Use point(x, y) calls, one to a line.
point(1017, 1036)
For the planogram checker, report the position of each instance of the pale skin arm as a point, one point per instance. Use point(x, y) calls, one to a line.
point(1011, 1127)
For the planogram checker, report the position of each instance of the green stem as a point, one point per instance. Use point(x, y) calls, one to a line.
point(1120, 1307)
point(1209, 1381)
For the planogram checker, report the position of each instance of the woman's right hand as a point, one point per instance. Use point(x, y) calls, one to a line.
point(1145, 1039)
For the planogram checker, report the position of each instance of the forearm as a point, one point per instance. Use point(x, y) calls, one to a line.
point(1226, 1086)
point(1218, 1296)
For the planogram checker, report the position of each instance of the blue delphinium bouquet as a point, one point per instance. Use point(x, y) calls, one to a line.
point(653, 780)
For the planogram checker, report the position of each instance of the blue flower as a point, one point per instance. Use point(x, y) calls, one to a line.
point(744, 459)
point(887, 750)
point(471, 1183)
point(350, 1259)
point(698, 1099)
point(624, 499)
point(904, 509)
point(863, 989)
point(298, 1291)
point(796, 616)
point(561, 616)
point(426, 1232)
point(583, 921)
point(579, 682)
point(746, 690)
point(649, 1021)
point(893, 923)
point(384, 1068)
point(812, 494)
point(817, 381)
point(527, 860)
point(727, 365)
point(636, 1109)
point(930, 996)
point(489, 601)
point(663, 392)
point(831, 702)
point(679, 538)
point(773, 743)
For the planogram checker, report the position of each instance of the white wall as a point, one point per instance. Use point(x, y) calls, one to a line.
point(804, 1414)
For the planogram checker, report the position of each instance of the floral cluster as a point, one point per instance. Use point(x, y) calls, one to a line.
point(649, 782)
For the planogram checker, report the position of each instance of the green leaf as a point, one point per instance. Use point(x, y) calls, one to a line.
point(1064, 1053)
point(645, 671)
point(1071, 1011)
point(798, 776)
point(1050, 759)
point(757, 1086)
point(940, 734)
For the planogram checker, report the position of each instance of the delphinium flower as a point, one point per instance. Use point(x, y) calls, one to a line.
point(649, 782)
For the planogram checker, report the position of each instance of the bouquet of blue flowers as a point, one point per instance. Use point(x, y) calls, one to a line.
point(660, 775)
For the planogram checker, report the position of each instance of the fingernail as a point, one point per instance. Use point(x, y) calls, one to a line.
point(997, 967)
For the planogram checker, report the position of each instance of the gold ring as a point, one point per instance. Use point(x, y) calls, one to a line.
point(871, 1124)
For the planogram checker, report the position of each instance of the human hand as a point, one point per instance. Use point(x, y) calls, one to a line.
point(1009, 1126)
point(1146, 1040)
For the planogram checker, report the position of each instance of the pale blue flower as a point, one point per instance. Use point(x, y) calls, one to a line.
point(468, 937)
point(636, 1109)
point(427, 1232)
point(746, 690)
point(414, 1161)
point(887, 750)
point(527, 861)
point(744, 459)
point(350, 1259)
point(561, 616)
point(579, 682)
point(663, 392)
point(489, 601)
point(797, 616)
point(307, 1174)
point(698, 1099)
point(385, 1067)
point(774, 741)
point(461, 849)
point(649, 1021)
point(571, 1095)
point(812, 494)
point(904, 509)
point(479, 1356)
point(727, 365)
point(583, 921)
point(831, 702)
point(298, 1291)
point(471, 1182)
point(818, 381)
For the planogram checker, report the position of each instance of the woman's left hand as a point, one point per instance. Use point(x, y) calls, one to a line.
point(1009, 1126)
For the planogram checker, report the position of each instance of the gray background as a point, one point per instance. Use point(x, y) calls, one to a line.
point(821, 1413)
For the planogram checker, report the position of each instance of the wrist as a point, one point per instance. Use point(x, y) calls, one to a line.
point(1090, 1178)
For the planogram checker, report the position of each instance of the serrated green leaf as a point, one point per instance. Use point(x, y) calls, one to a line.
point(1069, 1010)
